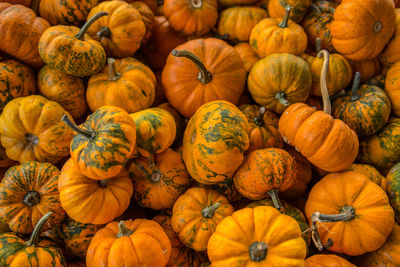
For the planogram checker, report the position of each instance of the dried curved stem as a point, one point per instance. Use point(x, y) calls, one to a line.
point(285, 21)
point(34, 239)
point(259, 120)
point(208, 212)
point(113, 75)
point(75, 128)
point(204, 75)
point(80, 35)
point(275, 198)
point(324, 88)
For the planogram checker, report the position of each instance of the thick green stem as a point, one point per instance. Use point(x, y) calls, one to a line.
point(318, 44)
point(32, 198)
point(75, 128)
point(204, 75)
point(258, 251)
point(259, 120)
point(208, 212)
point(103, 183)
point(113, 75)
point(104, 32)
point(34, 239)
point(356, 86)
point(123, 230)
point(281, 98)
point(80, 35)
point(285, 21)
point(324, 88)
point(275, 198)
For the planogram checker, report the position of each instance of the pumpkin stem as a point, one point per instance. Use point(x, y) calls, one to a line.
point(324, 88)
point(208, 212)
point(81, 34)
point(103, 183)
point(104, 32)
point(34, 239)
point(113, 75)
point(259, 120)
point(377, 26)
point(281, 98)
point(275, 198)
point(318, 44)
point(285, 21)
point(31, 140)
point(32, 198)
point(123, 230)
point(204, 75)
point(356, 86)
point(196, 3)
point(74, 127)
point(156, 176)
point(258, 251)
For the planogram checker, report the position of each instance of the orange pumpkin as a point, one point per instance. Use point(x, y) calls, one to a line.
point(391, 53)
point(327, 260)
point(371, 172)
point(276, 8)
point(147, 18)
point(247, 54)
point(392, 87)
point(179, 121)
point(368, 68)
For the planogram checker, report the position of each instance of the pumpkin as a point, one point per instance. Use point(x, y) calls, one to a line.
point(28, 191)
point(257, 236)
point(381, 150)
point(343, 214)
point(317, 23)
point(391, 53)
point(147, 17)
point(125, 83)
point(371, 172)
point(315, 102)
point(31, 129)
point(143, 242)
point(4, 161)
point(103, 143)
point(225, 188)
point(91, 201)
point(276, 9)
point(201, 71)
point(15, 251)
point(121, 32)
point(247, 54)
point(20, 30)
point(158, 183)
point(194, 17)
point(155, 130)
point(326, 142)
point(378, 80)
point(214, 142)
point(70, 50)
point(65, 89)
point(393, 182)
point(366, 110)
point(279, 80)
point(26, 3)
point(327, 260)
point(179, 121)
point(392, 87)
point(227, 3)
point(368, 68)
point(361, 28)
point(237, 22)
point(4, 228)
point(69, 12)
point(164, 219)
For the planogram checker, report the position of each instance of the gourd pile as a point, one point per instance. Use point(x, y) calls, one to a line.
point(200, 133)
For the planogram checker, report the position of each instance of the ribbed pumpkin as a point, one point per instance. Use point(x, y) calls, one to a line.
point(257, 236)
point(27, 192)
point(327, 260)
point(340, 207)
point(393, 189)
point(214, 142)
point(276, 9)
point(247, 54)
point(368, 68)
point(121, 31)
point(392, 87)
point(361, 28)
point(271, 36)
point(366, 110)
point(196, 214)
point(193, 17)
point(70, 50)
point(237, 22)
point(20, 31)
point(125, 83)
point(65, 89)
point(15, 251)
point(279, 80)
point(90, 201)
point(201, 71)
point(147, 18)
point(103, 143)
point(16, 80)
point(179, 121)
point(371, 172)
point(391, 53)
point(31, 129)
point(157, 184)
point(143, 242)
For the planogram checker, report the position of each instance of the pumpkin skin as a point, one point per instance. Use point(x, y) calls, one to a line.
point(237, 235)
point(247, 54)
point(392, 87)
point(373, 174)
point(194, 17)
point(327, 260)
point(362, 34)
point(31, 129)
point(155, 130)
point(66, 90)
point(179, 121)
point(20, 30)
point(125, 83)
point(147, 17)
point(89, 201)
point(391, 54)
point(28, 191)
point(353, 190)
point(144, 241)
point(225, 188)
point(196, 214)
point(126, 28)
point(393, 183)
point(214, 142)
point(238, 21)
point(368, 68)
point(276, 9)
point(159, 186)
point(180, 76)
point(279, 80)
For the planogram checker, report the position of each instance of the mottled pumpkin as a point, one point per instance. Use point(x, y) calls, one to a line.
point(143, 242)
point(147, 18)
point(27, 192)
point(20, 31)
point(225, 188)
point(392, 87)
point(340, 208)
point(280, 80)
point(378, 80)
point(215, 141)
point(125, 83)
point(103, 143)
point(391, 53)
point(247, 54)
point(371, 172)
point(90, 201)
point(276, 9)
point(237, 22)
point(31, 129)
point(361, 28)
point(368, 68)
point(65, 89)
point(257, 236)
point(121, 32)
point(393, 184)
point(201, 71)
point(328, 260)
point(179, 121)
